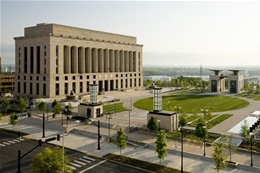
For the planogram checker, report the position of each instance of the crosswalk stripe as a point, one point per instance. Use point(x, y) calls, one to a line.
point(6, 143)
point(16, 140)
point(74, 164)
point(88, 158)
point(73, 168)
point(21, 139)
point(11, 142)
point(79, 162)
point(84, 160)
point(2, 145)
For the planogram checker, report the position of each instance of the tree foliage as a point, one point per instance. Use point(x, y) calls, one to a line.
point(41, 106)
point(67, 110)
point(22, 104)
point(121, 139)
point(6, 105)
point(219, 156)
point(50, 161)
point(152, 124)
point(57, 108)
point(199, 130)
point(244, 131)
point(161, 145)
point(54, 103)
point(13, 119)
point(230, 146)
point(182, 120)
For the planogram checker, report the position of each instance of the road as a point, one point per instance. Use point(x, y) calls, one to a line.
point(79, 161)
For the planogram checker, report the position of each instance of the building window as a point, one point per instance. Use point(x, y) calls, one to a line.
point(18, 77)
point(121, 75)
point(19, 87)
point(74, 86)
point(24, 87)
point(31, 77)
point(57, 78)
point(25, 60)
point(44, 89)
point(66, 88)
point(38, 59)
point(87, 76)
point(116, 75)
point(37, 78)
point(31, 89)
point(125, 75)
point(44, 78)
point(81, 87)
point(94, 76)
point(81, 77)
point(31, 60)
point(37, 89)
point(74, 77)
point(24, 78)
point(57, 89)
point(66, 77)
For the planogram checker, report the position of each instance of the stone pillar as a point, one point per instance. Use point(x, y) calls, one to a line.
point(122, 61)
point(74, 60)
point(134, 61)
point(117, 61)
point(107, 59)
point(81, 60)
point(100, 60)
point(88, 60)
point(131, 61)
point(112, 60)
point(94, 60)
point(66, 59)
point(126, 61)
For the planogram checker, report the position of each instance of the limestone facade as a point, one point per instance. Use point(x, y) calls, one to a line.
point(51, 60)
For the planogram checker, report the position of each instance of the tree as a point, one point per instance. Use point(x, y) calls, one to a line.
point(13, 120)
point(200, 131)
point(182, 120)
point(57, 108)
point(152, 124)
point(42, 106)
point(244, 131)
point(230, 146)
point(67, 109)
point(219, 156)
point(22, 104)
point(50, 161)
point(54, 103)
point(121, 139)
point(161, 145)
point(6, 105)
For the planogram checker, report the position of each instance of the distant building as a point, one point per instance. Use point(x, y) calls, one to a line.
point(235, 82)
point(6, 81)
point(51, 60)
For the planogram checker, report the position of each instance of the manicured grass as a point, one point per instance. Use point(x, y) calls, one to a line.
point(189, 103)
point(218, 120)
point(257, 98)
point(207, 118)
point(114, 108)
point(141, 164)
point(191, 118)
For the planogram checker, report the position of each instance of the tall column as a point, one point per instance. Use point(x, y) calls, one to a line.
point(81, 60)
point(94, 60)
point(134, 61)
point(100, 61)
point(107, 60)
point(131, 61)
point(126, 61)
point(122, 61)
point(112, 60)
point(88, 60)
point(117, 61)
point(74, 60)
point(66, 59)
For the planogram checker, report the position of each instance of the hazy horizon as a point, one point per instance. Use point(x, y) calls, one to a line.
point(174, 33)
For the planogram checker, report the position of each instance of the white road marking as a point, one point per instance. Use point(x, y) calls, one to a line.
point(84, 160)
point(88, 158)
point(92, 166)
point(74, 164)
point(6, 143)
point(79, 162)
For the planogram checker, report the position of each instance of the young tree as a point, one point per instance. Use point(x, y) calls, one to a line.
point(182, 120)
point(50, 160)
point(152, 124)
point(200, 129)
point(121, 139)
point(219, 156)
point(57, 108)
point(161, 145)
point(6, 105)
point(54, 103)
point(13, 120)
point(67, 109)
point(230, 146)
point(22, 104)
point(244, 131)
point(42, 106)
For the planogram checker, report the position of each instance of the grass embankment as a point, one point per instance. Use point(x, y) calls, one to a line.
point(194, 103)
point(141, 164)
point(112, 107)
point(254, 96)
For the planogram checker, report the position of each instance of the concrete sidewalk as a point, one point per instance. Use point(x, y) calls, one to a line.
point(192, 162)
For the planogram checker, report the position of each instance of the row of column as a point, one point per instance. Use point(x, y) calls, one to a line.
point(93, 60)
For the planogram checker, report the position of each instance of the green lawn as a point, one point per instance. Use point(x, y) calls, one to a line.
point(257, 98)
point(192, 117)
point(218, 120)
point(114, 108)
point(191, 103)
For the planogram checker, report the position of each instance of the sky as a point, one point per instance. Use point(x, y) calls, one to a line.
point(173, 33)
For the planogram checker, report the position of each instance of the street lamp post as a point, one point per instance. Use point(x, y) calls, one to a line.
point(204, 111)
point(177, 109)
point(43, 125)
point(130, 109)
point(204, 127)
point(251, 142)
point(181, 149)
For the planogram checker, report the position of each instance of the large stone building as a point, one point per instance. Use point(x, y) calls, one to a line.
point(52, 60)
